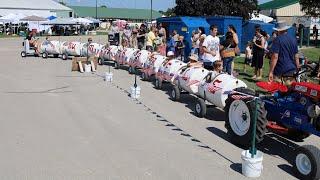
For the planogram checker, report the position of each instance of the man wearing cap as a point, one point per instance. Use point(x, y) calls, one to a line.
point(285, 59)
point(170, 56)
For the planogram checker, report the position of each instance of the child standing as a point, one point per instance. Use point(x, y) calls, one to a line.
point(180, 48)
point(163, 47)
point(248, 57)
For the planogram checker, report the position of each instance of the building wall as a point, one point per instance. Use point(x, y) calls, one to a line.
point(64, 13)
point(291, 10)
point(287, 19)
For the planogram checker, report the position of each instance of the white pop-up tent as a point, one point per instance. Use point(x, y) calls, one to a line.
point(261, 17)
point(82, 21)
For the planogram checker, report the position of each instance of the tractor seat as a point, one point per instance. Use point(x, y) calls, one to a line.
point(272, 86)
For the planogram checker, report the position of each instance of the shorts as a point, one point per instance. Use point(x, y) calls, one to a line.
point(208, 65)
point(247, 61)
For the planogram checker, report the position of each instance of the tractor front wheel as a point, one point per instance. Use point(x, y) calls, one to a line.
point(307, 162)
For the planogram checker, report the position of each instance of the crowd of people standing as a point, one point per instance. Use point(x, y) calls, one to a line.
point(208, 49)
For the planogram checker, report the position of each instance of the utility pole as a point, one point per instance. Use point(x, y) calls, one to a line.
point(151, 11)
point(96, 9)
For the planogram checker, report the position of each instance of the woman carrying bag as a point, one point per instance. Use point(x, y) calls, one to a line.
point(227, 48)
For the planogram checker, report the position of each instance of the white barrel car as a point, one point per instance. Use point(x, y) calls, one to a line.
point(107, 53)
point(187, 81)
point(123, 56)
point(71, 49)
point(152, 66)
point(50, 48)
point(138, 60)
point(168, 71)
point(214, 88)
point(93, 50)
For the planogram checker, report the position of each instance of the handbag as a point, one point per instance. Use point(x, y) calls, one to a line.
point(228, 52)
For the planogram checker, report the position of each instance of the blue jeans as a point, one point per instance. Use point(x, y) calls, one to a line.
point(195, 51)
point(227, 63)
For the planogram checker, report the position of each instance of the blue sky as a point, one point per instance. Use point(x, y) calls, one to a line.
point(138, 4)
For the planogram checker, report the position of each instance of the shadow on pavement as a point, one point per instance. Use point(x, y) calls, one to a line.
point(273, 145)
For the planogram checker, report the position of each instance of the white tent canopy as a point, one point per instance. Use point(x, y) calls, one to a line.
point(60, 21)
point(12, 18)
point(261, 17)
point(94, 20)
point(82, 21)
point(27, 12)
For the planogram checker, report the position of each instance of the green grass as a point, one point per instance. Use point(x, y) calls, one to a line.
point(102, 33)
point(6, 36)
point(246, 77)
point(312, 54)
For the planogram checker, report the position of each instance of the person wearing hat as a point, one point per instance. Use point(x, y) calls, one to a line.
point(170, 56)
point(285, 58)
point(194, 61)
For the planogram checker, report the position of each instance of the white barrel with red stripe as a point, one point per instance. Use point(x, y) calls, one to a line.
point(169, 70)
point(93, 49)
point(123, 55)
point(72, 48)
point(139, 58)
point(190, 79)
point(153, 64)
point(113, 52)
point(106, 52)
point(50, 47)
point(215, 87)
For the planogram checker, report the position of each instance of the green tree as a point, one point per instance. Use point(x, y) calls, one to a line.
point(310, 7)
point(242, 8)
point(168, 13)
point(103, 6)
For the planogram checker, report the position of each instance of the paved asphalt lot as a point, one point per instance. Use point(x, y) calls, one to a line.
point(58, 124)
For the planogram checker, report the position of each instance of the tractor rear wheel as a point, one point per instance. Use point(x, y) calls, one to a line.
point(239, 120)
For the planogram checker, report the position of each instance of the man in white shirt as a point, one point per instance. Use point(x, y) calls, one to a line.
point(211, 48)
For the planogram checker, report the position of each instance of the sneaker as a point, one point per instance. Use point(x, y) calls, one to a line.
point(254, 77)
point(258, 78)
